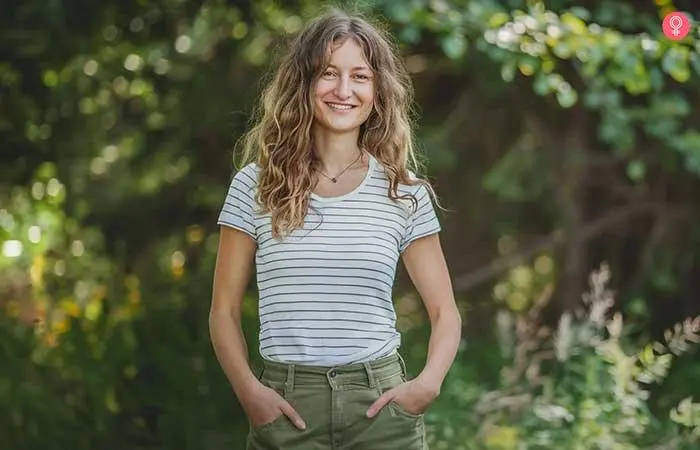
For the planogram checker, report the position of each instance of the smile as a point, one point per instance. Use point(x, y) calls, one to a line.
point(340, 107)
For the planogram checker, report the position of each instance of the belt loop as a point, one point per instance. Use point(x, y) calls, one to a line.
point(370, 375)
point(403, 365)
point(289, 384)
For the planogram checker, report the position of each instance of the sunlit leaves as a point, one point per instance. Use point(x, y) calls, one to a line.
point(537, 41)
point(687, 414)
point(454, 45)
point(134, 114)
point(582, 375)
point(567, 96)
point(689, 144)
point(616, 129)
point(524, 284)
point(675, 63)
point(50, 78)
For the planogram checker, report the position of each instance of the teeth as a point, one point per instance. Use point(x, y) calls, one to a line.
point(335, 106)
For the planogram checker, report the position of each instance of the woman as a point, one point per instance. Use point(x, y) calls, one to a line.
point(325, 211)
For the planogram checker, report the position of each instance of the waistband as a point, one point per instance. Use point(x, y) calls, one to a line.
point(368, 372)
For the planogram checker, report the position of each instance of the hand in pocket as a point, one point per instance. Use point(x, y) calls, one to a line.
point(264, 405)
point(413, 396)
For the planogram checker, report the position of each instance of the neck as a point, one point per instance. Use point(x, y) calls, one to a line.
point(335, 151)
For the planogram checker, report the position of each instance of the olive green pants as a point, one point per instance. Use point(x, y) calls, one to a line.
point(333, 402)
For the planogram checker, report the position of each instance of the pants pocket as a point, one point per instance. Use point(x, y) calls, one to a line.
point(398, 427)
point(279, 388)
point(281, 433)
point(401, 411)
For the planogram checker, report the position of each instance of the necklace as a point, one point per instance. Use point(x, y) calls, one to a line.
point(335, 178)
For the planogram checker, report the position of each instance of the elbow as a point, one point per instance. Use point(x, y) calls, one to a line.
point(224, 311)
point(448, 316)
point(219, 315)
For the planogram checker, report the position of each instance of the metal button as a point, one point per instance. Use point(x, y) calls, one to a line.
point(332, 374)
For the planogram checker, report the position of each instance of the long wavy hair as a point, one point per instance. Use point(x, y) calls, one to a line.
point(281, 142)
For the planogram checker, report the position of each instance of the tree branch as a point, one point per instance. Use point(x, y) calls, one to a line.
point(586, 232)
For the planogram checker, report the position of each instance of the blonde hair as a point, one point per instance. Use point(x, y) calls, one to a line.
point(280, 140)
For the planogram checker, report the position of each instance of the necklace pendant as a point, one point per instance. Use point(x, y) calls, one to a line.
point(335, 180)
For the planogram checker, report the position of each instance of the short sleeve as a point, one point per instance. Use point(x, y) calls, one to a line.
point(421, 222)
point(238, 209)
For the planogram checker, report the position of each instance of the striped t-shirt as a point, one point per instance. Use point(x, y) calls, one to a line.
point(325, 290)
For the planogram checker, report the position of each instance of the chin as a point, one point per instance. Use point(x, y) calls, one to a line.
point(339, 128)
point(344, 130)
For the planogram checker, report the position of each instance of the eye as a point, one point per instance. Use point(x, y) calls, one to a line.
point(362, 77)
point(328, 74)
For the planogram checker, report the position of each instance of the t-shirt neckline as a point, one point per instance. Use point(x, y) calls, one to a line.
point(370, 169)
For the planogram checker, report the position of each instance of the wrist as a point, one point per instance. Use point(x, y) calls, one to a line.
point(430, 382)
point(245, 388)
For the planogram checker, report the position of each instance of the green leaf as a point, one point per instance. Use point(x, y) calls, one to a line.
point(670, 105)
point(399, 12)
point(567, 97)
point(581, 12)
point(695, 62)
point(647, 356)
point(675, 63)
point(638, 307)
point(615, 129)
point(508, 71)
point(563, 50)
point(529, 65)
point(454, 45)
point(656, 78)
point(541, 84)
point(692, 160)
point(411, 34)
point(497, 20)
point(636, 170)
point(111, 401)
point(575, 24)
point(46, 171)
point(661, 127)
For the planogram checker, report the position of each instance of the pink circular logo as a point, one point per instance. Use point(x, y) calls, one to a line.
point(676, 26)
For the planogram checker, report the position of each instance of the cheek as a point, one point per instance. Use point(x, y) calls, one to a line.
point(322, 89)
point(367, 95)
point(368, 100)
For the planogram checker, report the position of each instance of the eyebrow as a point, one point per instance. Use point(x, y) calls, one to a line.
point(354, 68)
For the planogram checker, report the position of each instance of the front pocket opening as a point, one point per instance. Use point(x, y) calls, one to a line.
point(400, 410)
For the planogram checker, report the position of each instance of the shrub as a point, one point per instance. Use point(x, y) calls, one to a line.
point(582, 386)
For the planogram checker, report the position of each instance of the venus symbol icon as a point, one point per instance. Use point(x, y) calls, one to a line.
point(676, 25)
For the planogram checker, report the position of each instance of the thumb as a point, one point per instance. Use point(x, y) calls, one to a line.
point(379, 403)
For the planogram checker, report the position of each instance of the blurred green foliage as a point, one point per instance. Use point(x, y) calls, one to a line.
point(558, 122)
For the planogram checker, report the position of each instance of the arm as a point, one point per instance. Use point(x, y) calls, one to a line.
point(233, 269)
point(231, 275)
point(426, 266)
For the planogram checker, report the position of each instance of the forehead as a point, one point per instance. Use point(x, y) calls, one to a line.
point(348, 54)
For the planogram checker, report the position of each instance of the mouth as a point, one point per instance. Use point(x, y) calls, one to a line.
point(341, 106)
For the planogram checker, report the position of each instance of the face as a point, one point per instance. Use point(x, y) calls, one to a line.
point(344, 93)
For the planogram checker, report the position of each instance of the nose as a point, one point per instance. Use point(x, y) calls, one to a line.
point(342, 88)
